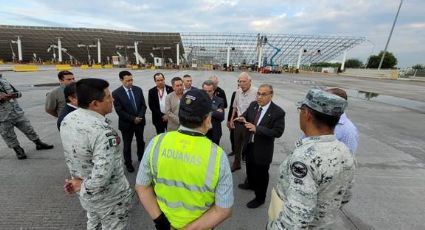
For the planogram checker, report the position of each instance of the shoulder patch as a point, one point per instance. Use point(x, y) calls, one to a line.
point(298, 169)
point(114, 141)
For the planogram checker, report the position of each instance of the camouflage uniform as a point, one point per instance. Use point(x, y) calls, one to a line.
point(11, 115)
point(315, 180)
point(92, 153)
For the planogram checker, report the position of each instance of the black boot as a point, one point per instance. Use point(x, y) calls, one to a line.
point(39, 145)
point(20, 153)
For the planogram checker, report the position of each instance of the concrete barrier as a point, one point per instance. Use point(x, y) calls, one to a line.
point(108, 66)
point(25, 68)
point(96, 66)
point(372, 73)
point(84, 66)
point(63, 67)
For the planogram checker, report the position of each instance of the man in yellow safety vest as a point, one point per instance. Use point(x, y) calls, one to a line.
point(184, 179)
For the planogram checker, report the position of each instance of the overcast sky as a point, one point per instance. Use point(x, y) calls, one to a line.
point(369, 18)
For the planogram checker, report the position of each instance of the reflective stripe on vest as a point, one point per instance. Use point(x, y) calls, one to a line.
point(185, 194)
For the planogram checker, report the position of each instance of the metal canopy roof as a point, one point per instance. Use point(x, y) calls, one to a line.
point(213, 47)
point(38, 39)
point(206, 48)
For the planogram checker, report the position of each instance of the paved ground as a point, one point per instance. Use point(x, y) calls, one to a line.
point(388, 193)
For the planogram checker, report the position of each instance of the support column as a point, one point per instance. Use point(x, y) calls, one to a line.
point(299, 57)
point(99, 58)
point(343, 60)
point(19, 49)
point(260, 56)
point(136, 51)
point(228, 57)
point(178, 54)
point(60, 50)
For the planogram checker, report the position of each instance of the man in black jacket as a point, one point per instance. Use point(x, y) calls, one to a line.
point(265, 121)
point(130, 106)
point(71, 103)
point(156, 102)
point(217, 112)
point(219, 92)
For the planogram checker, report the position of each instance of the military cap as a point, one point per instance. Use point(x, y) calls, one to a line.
point(324, 102)
point(195, 103)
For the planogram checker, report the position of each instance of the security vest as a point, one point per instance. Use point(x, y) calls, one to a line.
point(185, 169)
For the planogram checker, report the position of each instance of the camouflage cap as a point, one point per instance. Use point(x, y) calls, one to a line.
point(324, 102)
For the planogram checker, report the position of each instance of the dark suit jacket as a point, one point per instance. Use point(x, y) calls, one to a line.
point(217, 117)
point(219, 92)
point(229, 115)
point(153, 102)
point(67, 109)
point(125, 110)
point(270, 127)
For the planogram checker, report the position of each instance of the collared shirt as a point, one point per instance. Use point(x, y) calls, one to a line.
point(314, 181)
point(263, 111)
point(224, 190)
point(244, 99)
point(55, 99)
point(71, 105)
point(92, 152)
point(347, 133)
point(161, 99)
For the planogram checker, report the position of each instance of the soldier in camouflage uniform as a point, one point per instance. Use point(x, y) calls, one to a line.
point(12, 115)
point(92, 154)
point(316, 178)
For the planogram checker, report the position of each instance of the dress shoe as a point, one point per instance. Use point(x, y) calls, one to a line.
point(129, 167)
point(20, 153)
point(235, 168)
point(245, 186)
point(231, 154)
point(254, 203)
point(39, 145)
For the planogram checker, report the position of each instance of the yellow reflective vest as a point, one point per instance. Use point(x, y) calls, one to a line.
point(185, 169)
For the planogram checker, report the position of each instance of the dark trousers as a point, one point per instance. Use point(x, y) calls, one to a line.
point(127, 137)
point(257, 174)
point(232, 139)
point(214, 138)
point(160, 127)
point(240, 134)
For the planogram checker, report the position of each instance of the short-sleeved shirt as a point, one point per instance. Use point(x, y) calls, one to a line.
point(314, 182)
point(223, 192)
point(92, 152)
point(244, 99)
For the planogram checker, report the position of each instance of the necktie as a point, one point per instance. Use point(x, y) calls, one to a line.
point(257, 117)
point(132, 101)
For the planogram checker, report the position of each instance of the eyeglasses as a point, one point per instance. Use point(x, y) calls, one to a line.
point(263, 94)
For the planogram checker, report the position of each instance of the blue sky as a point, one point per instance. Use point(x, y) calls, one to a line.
point(369, 18)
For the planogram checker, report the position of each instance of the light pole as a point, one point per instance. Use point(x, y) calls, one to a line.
point(389, 37)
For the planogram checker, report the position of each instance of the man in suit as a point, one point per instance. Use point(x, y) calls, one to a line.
point(130, 106)
point(156, 102)
point(71, 102)
point(55, 99)
point(187, 83)
point(219, 92)
point(231, 130)
point(265, 121)
point(217, 112)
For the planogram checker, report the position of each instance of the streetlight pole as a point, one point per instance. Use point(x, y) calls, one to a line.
point(389, 37)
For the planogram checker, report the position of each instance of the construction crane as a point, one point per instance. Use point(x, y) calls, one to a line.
point(277, 50)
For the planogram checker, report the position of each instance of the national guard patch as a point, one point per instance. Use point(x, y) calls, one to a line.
point(299, 169)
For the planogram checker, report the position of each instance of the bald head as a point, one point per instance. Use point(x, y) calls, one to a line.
point(244, 81)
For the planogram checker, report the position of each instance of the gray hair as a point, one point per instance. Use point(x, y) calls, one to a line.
point(267, 86)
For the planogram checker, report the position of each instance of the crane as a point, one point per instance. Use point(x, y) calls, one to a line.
point(277, 50)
